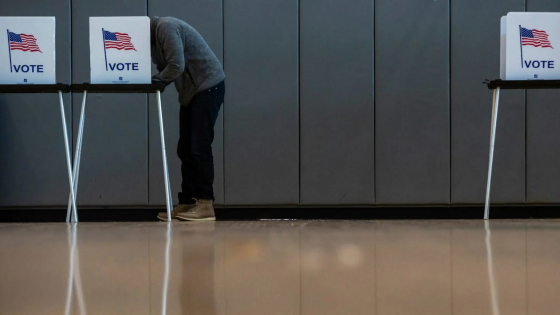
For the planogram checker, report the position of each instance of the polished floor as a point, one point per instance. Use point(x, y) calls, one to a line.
point(281, 267)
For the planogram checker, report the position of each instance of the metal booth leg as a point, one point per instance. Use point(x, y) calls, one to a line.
point(67, 147)
point(169, 190)
point(168, 196)
point(77, 160)
point(492, 141)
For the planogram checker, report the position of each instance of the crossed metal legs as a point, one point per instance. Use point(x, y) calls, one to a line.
point(495, 104)
point(68, 160)
point(73, 215)
point(72, 211)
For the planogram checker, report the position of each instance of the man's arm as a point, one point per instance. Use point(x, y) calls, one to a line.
point(170, 38)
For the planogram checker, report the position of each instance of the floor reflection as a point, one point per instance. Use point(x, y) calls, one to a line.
point(308, 267)
point(491, 278)
point(168, 240)
point(74, 276)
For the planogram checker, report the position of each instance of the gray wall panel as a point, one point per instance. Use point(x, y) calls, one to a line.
point(261, 112)
point(473, 59)
point(114, 169)
point(412, 152)
point(32, 158)
point(337, 132)
point(543, 142)
point(206, 17)
point(543, 146)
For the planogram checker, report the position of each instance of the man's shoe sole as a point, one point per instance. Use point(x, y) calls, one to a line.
point(201, 219)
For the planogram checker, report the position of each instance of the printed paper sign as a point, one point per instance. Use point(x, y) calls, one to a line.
point(532, 46)
point(27, 52)
point(120, 50)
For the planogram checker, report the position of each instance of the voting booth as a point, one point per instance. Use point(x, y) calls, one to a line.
point(120, 50)
point(28, 51)
point(120, 56)
point(530, 45)
point(529, 59)
point(120, 62)
point(28, 64)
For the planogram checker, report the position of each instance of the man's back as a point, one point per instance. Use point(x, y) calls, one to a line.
point(183, 56)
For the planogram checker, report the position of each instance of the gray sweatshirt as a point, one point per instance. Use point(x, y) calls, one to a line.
point(181, 55)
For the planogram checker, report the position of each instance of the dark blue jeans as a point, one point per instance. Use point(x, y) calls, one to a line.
point(195, 144)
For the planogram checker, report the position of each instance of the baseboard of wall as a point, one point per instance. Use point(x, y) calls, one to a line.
point(242, 214)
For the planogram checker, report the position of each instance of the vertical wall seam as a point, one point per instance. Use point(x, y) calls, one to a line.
point(148, 141)
point(526, 129)
point(148, 126)
point(526, 161)
point(71, 95)
point(373, 96)
point(224, 107)
point(374, 108)
point(299, 99)
point(450, 103)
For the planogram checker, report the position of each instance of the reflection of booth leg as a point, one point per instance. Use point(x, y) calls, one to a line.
point(490, 261)
point(77, 160)
point(68, 160)
point(167, 269)
point(492, 141)
point(74, 278)
point(168, 196)
point(72, 245)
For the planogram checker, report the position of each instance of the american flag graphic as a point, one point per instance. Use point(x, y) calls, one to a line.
point(23, 42)
point(117, 40)
point(535, 38)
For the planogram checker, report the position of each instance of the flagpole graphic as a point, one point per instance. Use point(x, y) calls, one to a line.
point(9, 50)
point(521, 44)
point(105, 49)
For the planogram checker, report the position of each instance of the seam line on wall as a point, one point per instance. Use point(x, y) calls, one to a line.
point(299, 98)
point(526, 129)
point(449, 86)
point(223, 106)
point(373, 97)
point(148, 129)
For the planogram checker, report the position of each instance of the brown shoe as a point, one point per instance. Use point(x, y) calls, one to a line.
point(178, 209)
point(202, 211)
